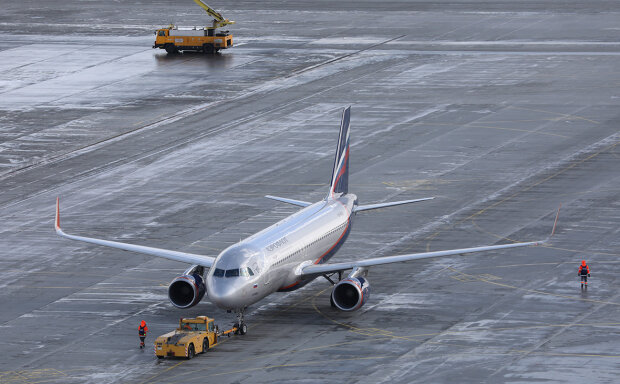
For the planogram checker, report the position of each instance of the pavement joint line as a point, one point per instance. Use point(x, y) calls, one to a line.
point(540, 343)
point(184, 114)
point(303, 364)
point(525, 189)
point(409, 338)
point(492, 127)
point(300, 301)
point(475, 224)
point(570, 116)
point(537, 291)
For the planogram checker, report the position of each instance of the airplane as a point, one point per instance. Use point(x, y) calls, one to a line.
point(288, 254)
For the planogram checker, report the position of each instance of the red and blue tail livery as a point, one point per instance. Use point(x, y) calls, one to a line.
point(340, 173)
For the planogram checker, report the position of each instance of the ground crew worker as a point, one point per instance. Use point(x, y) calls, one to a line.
point(584, 272)
point(142, 330)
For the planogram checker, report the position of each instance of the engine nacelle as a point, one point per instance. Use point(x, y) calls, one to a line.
point(351, 293)
point(188, 289)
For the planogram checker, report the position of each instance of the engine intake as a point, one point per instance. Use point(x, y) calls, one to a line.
point(188, 289)
point(351, 293)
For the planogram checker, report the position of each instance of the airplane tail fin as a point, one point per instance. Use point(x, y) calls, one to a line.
point(340, 174)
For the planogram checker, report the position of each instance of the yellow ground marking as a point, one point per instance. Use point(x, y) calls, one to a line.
point(564, 115)
point(472, 278)
point(481, 211)
point(420, 184)
point(323, 362)
point(222, 340)
point(162, 372)
point(387, 335)
point(494, 127)
point(537, 291)
point(475, 224)
point(575, 262)
point(26, 376)
point(525, 120)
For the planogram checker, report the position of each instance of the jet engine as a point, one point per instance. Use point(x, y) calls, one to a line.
point(188, 289)
point(351, 293)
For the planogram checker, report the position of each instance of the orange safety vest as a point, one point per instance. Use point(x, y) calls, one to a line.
point(143, 330)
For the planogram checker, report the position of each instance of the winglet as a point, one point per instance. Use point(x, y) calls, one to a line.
point(57, 222)
point(555, 223)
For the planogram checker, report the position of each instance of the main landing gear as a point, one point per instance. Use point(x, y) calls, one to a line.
point(242, 328)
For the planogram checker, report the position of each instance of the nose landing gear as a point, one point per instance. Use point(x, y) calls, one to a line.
point(242, 328)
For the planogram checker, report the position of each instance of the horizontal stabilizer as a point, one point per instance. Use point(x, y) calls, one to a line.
point(289, 201)
point(360, 208)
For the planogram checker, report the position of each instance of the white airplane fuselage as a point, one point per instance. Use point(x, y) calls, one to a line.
point(266, 262)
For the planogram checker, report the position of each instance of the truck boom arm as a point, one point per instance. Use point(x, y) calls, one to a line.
point(219, 20)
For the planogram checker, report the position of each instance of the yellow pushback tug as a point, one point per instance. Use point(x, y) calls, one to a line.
point(194, 335)
point(204, 39)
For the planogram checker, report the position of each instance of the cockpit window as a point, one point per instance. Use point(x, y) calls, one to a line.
point(232, 272)
point(218, 272)
point(246, 272)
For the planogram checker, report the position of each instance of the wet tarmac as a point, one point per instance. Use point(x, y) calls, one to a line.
point(502, 110)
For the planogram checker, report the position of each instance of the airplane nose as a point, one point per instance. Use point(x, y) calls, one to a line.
point(223, 293)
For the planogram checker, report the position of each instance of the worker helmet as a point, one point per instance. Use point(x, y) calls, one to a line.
point(143, 323)
point(583, 262)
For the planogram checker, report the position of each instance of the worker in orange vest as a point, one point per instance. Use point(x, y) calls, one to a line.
point(584, 272)
point(142, 330)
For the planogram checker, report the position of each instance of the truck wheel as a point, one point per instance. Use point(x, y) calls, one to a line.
point(171, 49)
point(207, 48)
point(160, 357)
point(190, 352)
point(205, 345)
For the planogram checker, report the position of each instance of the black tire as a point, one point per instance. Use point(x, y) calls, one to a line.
point(243, 329)
point(208, 48)
point(160, 357)
point(171, 49)
point(237, 328)
point(205, 345)
point(190, 352)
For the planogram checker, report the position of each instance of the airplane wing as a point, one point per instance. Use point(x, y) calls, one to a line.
point(190, 258)
point(318, 269)
point(360, 208)
point(289, 201)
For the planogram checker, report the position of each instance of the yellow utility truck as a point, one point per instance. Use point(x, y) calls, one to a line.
point(204, 39)
point(194, 335)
